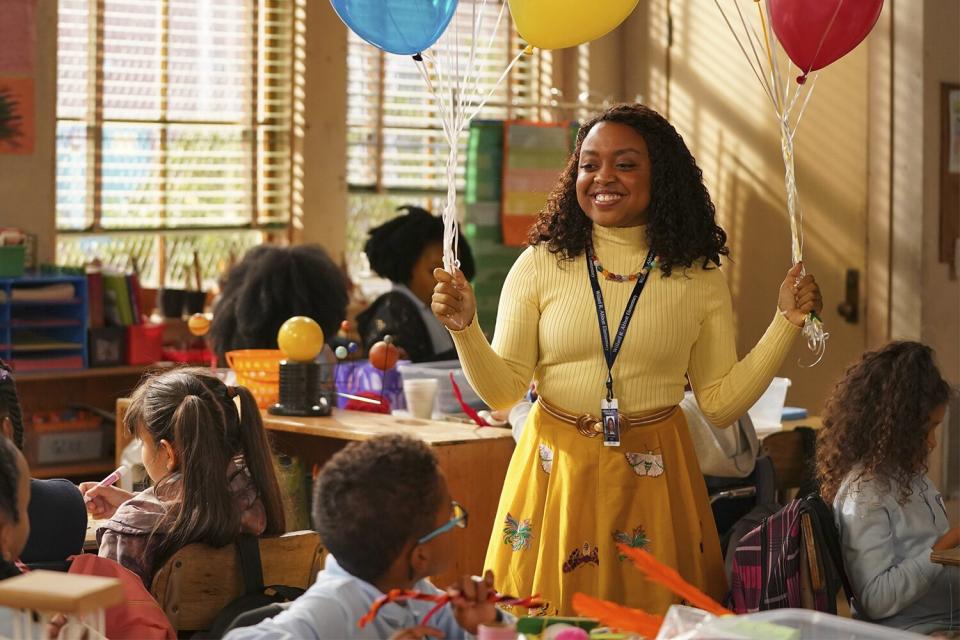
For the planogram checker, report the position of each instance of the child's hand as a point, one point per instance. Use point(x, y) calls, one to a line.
point(949, 540)
point(470, 605)
point(417, 633)
point(102, 502)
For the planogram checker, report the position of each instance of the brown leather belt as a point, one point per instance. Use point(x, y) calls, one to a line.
point(591, 426)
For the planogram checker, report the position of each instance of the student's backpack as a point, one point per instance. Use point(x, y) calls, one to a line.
point(256, 597)
point(765, 505)
point(139, 615)
point(767, 567)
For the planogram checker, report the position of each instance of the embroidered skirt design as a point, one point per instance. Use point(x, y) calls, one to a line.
point(594, 493)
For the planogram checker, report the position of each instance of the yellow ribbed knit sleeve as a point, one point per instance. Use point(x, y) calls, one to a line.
point(726, 388)
point(501, 374)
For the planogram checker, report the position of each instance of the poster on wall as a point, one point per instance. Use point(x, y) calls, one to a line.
point(534, 154)
point(17, 114)
point(17, 37)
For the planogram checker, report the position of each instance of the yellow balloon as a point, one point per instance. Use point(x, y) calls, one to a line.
point(557, 24)
point(300, 338)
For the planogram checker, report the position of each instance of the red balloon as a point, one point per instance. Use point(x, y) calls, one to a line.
point(815, 33)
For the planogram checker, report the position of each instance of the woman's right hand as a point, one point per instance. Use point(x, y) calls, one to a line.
point(453, 301)
point(102, 502)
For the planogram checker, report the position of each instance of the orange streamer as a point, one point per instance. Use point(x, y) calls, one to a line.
point(618, 616)
point(656, 571)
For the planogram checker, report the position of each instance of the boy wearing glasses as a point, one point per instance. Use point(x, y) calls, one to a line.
point(384, 512)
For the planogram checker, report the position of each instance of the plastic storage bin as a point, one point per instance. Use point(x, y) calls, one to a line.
point(12, 260)
point(446, 400)
point(59, 438)
point(144, 343)
point(357, 377)
point(768, 411)
point(686, 623)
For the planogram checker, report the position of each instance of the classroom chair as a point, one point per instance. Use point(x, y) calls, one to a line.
point(793, 456)
point(198, 581)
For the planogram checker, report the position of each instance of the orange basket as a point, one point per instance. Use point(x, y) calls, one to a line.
point(259, 371)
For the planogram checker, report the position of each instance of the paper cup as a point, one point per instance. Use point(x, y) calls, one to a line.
point(421, 394)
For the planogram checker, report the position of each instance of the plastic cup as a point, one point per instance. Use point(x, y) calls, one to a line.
point(421, 394)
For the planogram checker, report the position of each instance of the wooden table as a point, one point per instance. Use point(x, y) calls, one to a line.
point(949, 557)
point(90, 539)
point(474, 461)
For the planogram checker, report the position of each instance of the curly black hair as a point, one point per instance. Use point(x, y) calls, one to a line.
point(9, 481)
point(372, 498)
point(682, 224)
point(878, 416)
point(270, 285)
point(10, 403)
point(395, 246)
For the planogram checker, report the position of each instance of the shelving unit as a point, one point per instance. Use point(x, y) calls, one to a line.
point(40, 334)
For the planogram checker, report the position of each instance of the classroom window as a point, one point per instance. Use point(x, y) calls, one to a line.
point(175, 130)
point(396, 152)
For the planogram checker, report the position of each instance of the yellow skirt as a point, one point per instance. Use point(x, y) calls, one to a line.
point(567, 500)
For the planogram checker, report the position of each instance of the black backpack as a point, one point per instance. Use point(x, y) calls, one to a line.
point(258, 600)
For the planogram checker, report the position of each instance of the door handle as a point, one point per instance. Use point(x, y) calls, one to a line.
point(849, 309)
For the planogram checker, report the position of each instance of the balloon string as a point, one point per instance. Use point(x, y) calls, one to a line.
point(756, 72)
point(766, 43)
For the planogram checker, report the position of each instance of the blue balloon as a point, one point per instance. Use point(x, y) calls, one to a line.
point(404, 27)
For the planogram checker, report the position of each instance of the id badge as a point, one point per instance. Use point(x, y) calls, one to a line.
point(610, 417)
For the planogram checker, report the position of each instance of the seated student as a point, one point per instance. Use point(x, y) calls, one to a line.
point(879, 426)
point(406, 250)
point(384, 512)
point(14, 522)
point(213, 477)
point(269, 286)
point(58, 519)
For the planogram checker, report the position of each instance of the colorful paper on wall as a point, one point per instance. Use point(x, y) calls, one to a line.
point(534, 156)
point(17, 115)
point(17, 37)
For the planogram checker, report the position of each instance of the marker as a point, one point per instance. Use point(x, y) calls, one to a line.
point(110, 479)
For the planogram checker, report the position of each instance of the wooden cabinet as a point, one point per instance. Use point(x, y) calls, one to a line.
point(97, 388)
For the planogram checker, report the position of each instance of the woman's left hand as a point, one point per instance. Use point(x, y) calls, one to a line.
point(799, 295)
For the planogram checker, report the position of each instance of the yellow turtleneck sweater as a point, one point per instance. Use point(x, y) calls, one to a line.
point(683, 325)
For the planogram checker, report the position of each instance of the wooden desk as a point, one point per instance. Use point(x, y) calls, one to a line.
point(90, 539)
point(814, 422)
point(949, 558)
point(474, 461)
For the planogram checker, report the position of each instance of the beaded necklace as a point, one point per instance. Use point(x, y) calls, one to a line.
point(616, 277)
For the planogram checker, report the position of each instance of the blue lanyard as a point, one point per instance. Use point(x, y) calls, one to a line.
point(610, 353)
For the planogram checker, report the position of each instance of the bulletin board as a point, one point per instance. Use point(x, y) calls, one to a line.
point(534, 154)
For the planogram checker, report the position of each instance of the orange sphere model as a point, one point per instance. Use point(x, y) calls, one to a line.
point(384, 355)
point(198, 324)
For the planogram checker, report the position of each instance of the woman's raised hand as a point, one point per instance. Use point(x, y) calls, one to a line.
point(799, 295)
point(453, 301)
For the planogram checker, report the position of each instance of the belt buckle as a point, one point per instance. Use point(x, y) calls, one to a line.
point(589, 426)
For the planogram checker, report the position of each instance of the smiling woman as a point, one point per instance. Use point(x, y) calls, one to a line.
point(630, 203)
